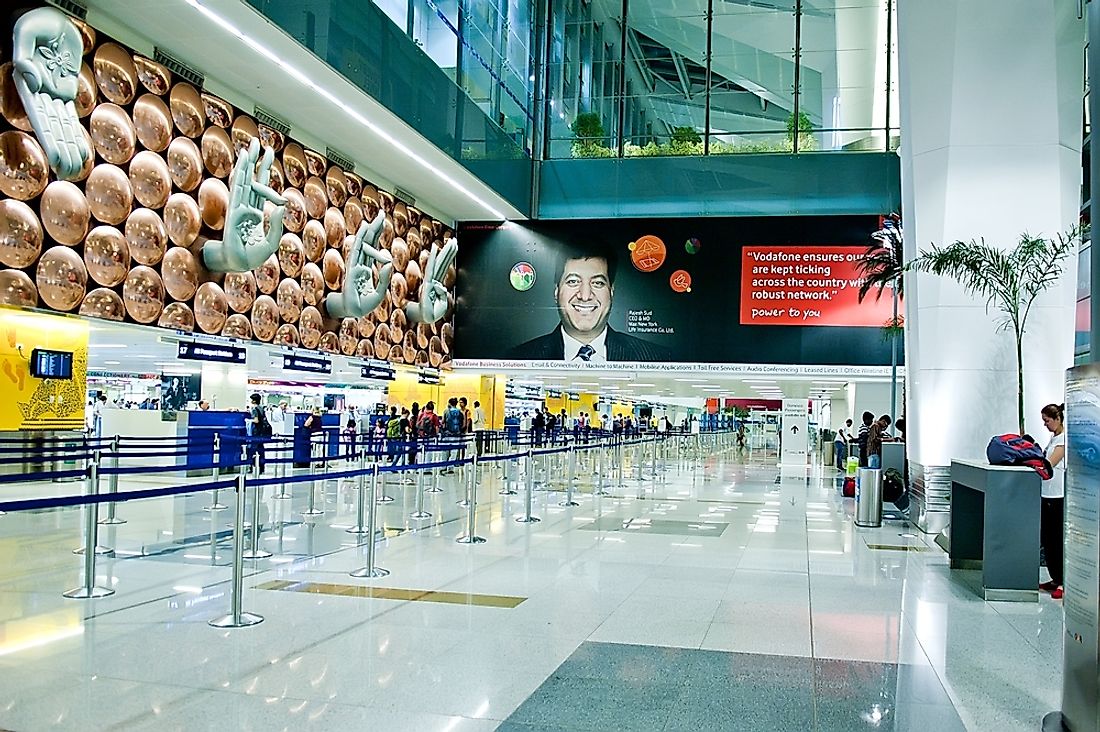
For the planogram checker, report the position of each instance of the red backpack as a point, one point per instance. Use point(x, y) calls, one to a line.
point(1021, 450)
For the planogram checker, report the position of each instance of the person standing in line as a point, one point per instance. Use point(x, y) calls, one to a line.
point(453, 422)
point(393, 435)
point(413, 438)
point(1053, 501)
point(524, 427)
point(538, 425)
point(840, 444)
point(97, 415)
point(259, 429)
point(861, 437)
point(876, 435)
point(477, 423)
point(551, 425)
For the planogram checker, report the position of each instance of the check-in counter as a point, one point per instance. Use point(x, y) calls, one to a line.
point(995, 527)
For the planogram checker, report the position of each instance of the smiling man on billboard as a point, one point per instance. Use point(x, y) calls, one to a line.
point(584, 295)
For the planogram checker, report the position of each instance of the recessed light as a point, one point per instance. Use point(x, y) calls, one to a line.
point(112, 363)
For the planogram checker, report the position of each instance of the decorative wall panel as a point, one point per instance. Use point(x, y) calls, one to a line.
point(123, 239)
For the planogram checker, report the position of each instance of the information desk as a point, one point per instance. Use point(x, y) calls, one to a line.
point(995, 527)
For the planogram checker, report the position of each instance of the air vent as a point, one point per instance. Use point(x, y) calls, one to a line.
point(404, 196)
point(73, 8)
point(178, 68)
point(340, 159)
point(267, 118)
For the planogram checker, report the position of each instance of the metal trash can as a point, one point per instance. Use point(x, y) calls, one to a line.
point(869, 498)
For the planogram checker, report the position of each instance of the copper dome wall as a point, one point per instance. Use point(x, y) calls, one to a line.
point(124, 241)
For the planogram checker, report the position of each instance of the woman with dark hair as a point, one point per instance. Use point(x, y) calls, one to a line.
point(414, 417)
point(1052, 518)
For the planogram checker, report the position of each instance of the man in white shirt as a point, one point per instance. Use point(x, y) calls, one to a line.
point(584, 295)
point(478, 425)
point(282, 420)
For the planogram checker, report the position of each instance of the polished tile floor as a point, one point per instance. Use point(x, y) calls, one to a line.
point(714, 597)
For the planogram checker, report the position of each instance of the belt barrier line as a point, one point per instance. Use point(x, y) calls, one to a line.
point(53, 475)
point(31, 504)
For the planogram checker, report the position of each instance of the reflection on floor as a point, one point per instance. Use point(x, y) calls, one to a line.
point(784, 616)
point(630, 687)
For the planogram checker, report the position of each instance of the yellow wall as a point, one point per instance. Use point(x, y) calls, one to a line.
point(27, 403)
point(489, 390)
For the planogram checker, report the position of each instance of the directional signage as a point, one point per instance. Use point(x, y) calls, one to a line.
point(195, 351)
point(429, 377)
point(309, 364)
point(377, 371)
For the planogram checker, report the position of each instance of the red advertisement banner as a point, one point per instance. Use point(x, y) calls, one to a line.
point(807, 285)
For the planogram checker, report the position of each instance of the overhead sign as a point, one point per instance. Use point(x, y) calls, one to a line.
point(429, 377)
point(194, 351)
point(377, 371)
point(309, 364)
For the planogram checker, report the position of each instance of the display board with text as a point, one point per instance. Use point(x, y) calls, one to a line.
point(668, 291)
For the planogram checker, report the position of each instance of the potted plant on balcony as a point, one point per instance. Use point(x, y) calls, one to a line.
point(589, 136)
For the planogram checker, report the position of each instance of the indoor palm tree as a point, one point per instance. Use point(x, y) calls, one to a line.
point(882, 267)
point(1010, 280)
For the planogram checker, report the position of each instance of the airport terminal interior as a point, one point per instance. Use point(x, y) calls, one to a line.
point(548, 366)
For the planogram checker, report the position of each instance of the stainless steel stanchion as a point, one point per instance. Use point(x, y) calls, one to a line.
point(237, 618)
point(620, 451)
point(360, 526)
point(312, 510)
point(509, 479)
point(215, 504)
point(370, 570)
point(471, 537)
point(653, 459)
point(601, 464)
point(420, 513)
point(527, 518)
point(91, 532)
point(570, 478)
point(435, 480)
point(255, 551)
point(93, 487)
point(382, 497)
point(112, 485)
point(284, 488)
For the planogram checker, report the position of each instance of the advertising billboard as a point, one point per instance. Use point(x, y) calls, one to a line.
point(668, 291)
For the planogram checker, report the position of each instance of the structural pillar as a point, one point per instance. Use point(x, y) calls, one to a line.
point(991, 147)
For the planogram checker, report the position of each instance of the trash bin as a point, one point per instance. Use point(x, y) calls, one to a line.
point(828, 454)
point(869, 498)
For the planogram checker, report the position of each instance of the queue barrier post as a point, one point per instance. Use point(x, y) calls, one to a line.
point(527, 518)
point(420, 514)
point(370, 570)
point(312, 509)
point(89, 589)
point(284, 492)
point(215, 504)
point(509, 479)
point(435, 480)
point(601, 466)
point(360, 526)
point(380, 497)
point(471, 537)
point(112, 486)
point(570, 478)
point(237, 618)
point(93, 490)
point(255, 551)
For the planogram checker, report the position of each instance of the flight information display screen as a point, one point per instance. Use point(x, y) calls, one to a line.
point(47, 364)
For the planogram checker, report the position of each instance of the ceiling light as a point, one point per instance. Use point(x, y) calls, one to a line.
point(315, 88)
point(112, 363)
point(759, 381)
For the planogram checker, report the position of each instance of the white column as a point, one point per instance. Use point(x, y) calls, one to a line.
point(991, 140)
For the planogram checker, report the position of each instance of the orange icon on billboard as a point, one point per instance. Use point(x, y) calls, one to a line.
point(647, 253)
point(680, 281)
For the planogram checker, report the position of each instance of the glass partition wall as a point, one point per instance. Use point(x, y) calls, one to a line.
point(692, 77)
point(611, 78)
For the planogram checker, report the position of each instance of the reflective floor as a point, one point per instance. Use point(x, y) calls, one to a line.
point(711, 597)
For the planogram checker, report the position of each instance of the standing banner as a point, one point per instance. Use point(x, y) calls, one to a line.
point(795, 433)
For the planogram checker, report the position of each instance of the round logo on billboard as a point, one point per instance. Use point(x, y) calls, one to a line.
point(680, 281)
point(647, 253)
point(522, 276)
